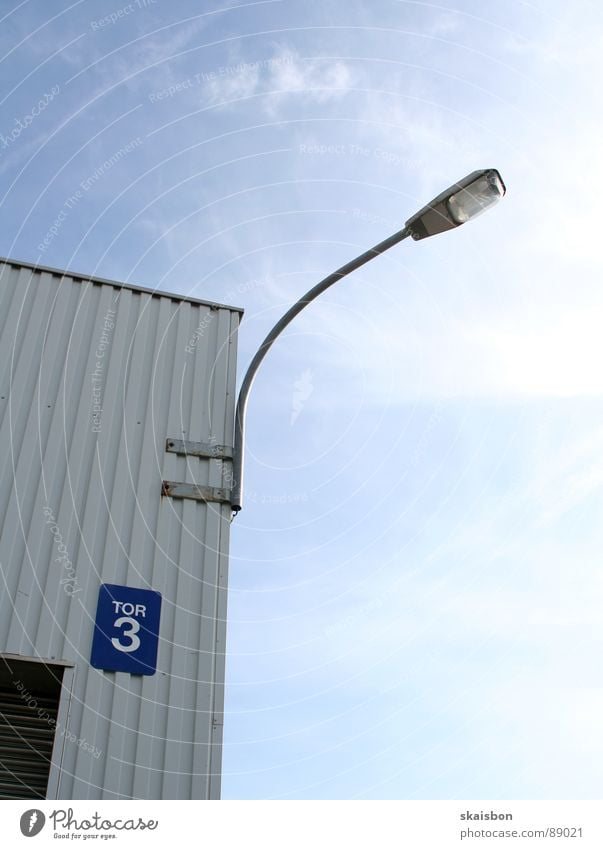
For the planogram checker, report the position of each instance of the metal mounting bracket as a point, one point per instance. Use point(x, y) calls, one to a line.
point(195, 492)
point(198, 449)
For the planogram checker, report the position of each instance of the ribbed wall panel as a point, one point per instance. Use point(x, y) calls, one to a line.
point(158, 736)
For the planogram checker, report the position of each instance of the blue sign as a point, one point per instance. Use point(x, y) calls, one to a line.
point(126, 630)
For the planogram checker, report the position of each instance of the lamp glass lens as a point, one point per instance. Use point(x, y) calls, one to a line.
point(475, 198)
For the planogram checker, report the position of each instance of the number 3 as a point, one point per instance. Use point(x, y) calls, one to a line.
point(129, 632)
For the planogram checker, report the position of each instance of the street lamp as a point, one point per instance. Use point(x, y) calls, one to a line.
point(458, 204)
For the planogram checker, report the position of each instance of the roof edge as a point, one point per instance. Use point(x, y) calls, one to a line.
point(117, 284)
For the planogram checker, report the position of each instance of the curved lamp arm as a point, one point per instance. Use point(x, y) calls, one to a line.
point(459, 203)
point(239, 434)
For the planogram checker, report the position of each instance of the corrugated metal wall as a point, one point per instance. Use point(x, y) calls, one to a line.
point(81, 505)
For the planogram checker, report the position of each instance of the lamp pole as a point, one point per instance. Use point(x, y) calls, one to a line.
point(241, 410)
point(462, 201)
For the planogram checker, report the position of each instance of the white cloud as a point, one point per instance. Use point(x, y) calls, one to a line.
point(323, 78)
point(284, 74)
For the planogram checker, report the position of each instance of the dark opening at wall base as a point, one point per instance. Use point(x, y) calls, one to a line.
point(29, 703)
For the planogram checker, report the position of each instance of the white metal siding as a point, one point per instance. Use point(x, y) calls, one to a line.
point(159, 736)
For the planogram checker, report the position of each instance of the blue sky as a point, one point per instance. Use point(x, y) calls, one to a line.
point(416, 585)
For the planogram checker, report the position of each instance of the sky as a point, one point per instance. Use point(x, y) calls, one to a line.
point(415, 580)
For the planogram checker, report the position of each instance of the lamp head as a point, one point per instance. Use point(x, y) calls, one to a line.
point(462, 201)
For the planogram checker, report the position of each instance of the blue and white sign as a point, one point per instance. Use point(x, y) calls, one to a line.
point(126, 630)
